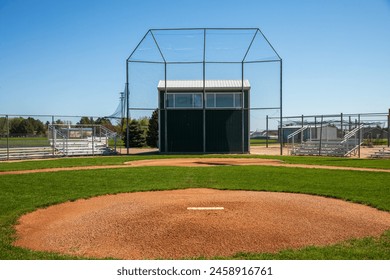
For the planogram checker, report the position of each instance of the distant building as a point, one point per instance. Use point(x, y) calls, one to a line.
point(76, 132)
point(313, 132)
point(270, 134)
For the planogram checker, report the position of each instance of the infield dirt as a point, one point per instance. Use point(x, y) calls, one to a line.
point(150, 225)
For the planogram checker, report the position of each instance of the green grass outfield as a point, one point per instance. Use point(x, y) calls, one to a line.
point(21, 142)
point(24, 193)
point(262, 142)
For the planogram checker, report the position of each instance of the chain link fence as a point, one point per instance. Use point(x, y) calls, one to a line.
point(41, 136)
point(336, 135)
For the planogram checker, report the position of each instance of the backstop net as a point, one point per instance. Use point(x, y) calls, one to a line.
point(201, 56)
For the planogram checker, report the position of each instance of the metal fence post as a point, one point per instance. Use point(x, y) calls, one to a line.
point(7, 122)
point(350, 123)
point(93, 142)
point(388, 129)
point(64, 139)
point(53, 138)
point(302, 129)
point(115, 145)
point(320, 147)
point(127, 107)
point(165, 109)
point(266, 132)
point(360, 132)
point(281, 107)
point(204, 91)
point(242, 110)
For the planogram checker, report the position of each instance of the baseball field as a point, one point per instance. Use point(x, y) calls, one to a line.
point(318, 196)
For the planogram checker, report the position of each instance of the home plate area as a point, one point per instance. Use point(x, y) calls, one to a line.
point(197, 222)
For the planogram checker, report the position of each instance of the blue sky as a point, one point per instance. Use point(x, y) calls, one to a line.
point(67, 57)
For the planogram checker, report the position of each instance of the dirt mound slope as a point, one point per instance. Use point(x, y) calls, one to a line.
point(150, 225)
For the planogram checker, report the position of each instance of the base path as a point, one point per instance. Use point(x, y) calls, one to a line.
point(193, 162)
point(195, 223)
point(197, 162)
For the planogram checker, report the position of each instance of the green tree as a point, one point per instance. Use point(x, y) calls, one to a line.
point(14, 126)
point(144, 122)
point(59, 121)
point(40, 128)
point(37, 125)
point(106, 123)
point(136, 135)
point(86, 120)
point(3, 126)
point(152, 134)
point(25, 127)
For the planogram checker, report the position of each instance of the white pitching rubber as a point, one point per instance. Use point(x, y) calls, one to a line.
point(205, 208)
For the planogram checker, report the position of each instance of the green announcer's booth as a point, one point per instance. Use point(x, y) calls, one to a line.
point(210, 118)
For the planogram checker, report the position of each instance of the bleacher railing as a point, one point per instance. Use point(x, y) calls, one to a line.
point(345, 146)
point(68, 140)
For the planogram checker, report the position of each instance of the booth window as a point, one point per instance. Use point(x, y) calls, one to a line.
point(224, 100)
point(184, 100)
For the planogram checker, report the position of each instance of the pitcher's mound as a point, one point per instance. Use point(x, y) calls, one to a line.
point(195, 222)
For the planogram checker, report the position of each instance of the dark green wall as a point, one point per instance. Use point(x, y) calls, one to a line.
point(184, 130)
point(224, 131)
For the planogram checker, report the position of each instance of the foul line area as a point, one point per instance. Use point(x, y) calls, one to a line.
point(194, 162)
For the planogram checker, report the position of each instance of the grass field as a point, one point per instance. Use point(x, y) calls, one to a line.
point(19, 142)
point(25, 193)
point(261, 142)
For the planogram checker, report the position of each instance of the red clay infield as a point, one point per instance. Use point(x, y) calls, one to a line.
point(193, 162)
point(150, 225)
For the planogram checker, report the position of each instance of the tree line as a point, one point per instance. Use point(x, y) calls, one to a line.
point(142, 131)
point(22, 127)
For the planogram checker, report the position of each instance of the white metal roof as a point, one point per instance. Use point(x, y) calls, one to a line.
point(198, 84)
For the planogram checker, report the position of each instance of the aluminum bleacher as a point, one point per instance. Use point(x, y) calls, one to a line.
point(343, 147)
point(81, 140)
point(381, 153)
point(25, 152)
point(87, 146)
point(326, 148)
